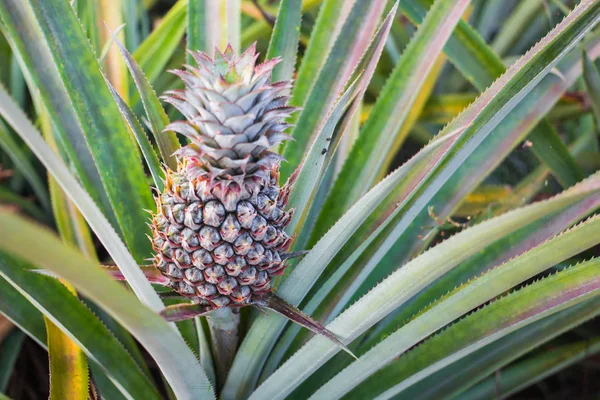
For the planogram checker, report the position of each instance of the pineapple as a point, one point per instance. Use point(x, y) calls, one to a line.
point(219, 231)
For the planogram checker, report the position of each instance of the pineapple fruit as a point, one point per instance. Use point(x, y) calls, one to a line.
point(219, 231)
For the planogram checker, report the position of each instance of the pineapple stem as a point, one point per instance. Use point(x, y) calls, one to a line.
point(223, 324)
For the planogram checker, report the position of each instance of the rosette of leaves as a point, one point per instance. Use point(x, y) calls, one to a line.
point(432, 214)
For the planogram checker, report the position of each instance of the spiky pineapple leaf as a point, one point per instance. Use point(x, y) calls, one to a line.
point(524, 93)
point(563, 210)
point(109, 18)
point(339, 66)
point(176, 361)
point(389, 114)
point(31, 321)
point(533, 369)
point(492, 323)
point(20, 311)
point(82, 200)
point(504, 249)
point(65, 311)
point(263, 333)
point(481, 66)
point(332, 15)
point(35, 60)
point(112, 146)
point(460, 374)
point(280, 306)
point(403, 284)
point(315, 164)
point(284, 39)
point(23, 163)
point(69, 377)
point(166, 140)
point(515, 25)
point(140, 135)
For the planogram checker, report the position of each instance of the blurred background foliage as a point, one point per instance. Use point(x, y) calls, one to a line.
point(566, 367)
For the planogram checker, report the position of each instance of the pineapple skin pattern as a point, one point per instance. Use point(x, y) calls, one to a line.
point(218, 234)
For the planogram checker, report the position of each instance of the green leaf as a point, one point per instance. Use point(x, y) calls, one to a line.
point(178, 364)
point(166, 140)
point(265, 330)
point(366, 161)
point(158, 48)
point(65, 311)
point(533, 369)
point(197, 24)
point(502, 317)
point(481, 66)
point(22, 313)
point(284, 39)
point(403, 284)
point(519, 99)
point(309, 175)
point(36, 61)
point(333, 76)
point(463, 373)
point(332, 15)
point(24, 165)
point(112, 146)
point(591, 76)
point(140, 135)
point(548, 147)
point(82, 200)
point(515, 25)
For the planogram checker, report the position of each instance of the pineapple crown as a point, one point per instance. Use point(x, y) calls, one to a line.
point(234, 116)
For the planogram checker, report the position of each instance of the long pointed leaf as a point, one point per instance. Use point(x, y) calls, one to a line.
point(461, 374)
point(337, 69)
point(166, 140)
point(178, 364)
point(66, 312)
point(110, 142)
point(321, 152)
point(79, 196)
point(36, 61)
point(284, 39)
point(24, 165)
point(369, 153)
point(517, 310)
point(387, 295)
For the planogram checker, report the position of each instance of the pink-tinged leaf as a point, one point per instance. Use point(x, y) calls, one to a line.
point(181, 312)
point(392, 114)
point(166, 140)
point(335, 74)
point(150, 272)
point(277, 304)
point(321, 152)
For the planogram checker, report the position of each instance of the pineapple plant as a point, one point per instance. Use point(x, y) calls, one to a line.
point(411, 181)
